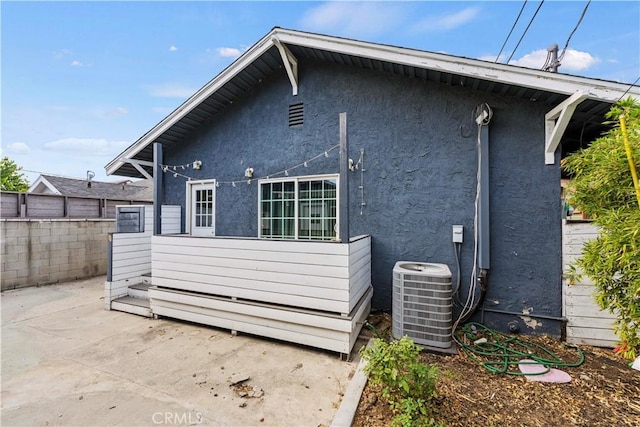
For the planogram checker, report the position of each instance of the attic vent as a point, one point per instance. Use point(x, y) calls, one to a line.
point(296, 114)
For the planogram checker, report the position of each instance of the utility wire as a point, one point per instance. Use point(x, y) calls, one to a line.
point(525, 31)
point(629, 88)
point(511, 31)
point(564, 49)
point(547, 62)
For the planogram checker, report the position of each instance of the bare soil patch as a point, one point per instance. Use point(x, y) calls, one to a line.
point(603, 391)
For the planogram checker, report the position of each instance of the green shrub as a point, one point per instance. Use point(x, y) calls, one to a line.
point(407, 384)
point(602, 186)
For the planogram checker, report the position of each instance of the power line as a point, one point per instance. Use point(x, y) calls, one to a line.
point(525, 31)
point(629, 88)
point(564, 49)
point(511, 31)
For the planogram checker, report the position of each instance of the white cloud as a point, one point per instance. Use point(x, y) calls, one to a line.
point(574, 60)
point(17, 148)
point(76, 63)
point(354, 19)
point(229, 52)
point(173, 48)
point(446, 22)
point(170, 90)
point(86, 146)
point(59, 54)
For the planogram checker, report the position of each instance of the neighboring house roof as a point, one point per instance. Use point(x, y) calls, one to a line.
point(591, 97)
point(76, 187)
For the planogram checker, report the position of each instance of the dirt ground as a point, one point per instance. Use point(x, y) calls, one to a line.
point(603, 391)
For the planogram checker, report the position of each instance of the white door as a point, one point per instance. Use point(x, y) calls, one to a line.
point(203, 209)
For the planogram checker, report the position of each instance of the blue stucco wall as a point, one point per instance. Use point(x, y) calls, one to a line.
point(420, 159)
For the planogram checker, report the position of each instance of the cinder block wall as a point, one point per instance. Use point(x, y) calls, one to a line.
point(39, 252)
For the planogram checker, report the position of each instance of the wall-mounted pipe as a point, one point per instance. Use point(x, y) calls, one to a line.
point(483, 115)
point(535, 316)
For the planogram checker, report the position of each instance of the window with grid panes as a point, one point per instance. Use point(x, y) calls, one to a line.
point(299, 208)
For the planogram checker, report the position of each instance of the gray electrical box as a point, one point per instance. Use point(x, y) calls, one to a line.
point(129, 219)
point(458, 233)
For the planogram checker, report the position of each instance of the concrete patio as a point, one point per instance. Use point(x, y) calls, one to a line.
point(67, 361)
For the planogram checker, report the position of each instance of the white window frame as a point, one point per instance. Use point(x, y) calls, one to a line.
point(296, 180)
point(190, 185)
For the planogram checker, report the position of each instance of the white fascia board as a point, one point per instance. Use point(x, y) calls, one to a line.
point(518, 76)
point(556, 121)
point(196, 99)
point(42, 180)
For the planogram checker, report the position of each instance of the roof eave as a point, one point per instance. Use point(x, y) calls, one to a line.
point(474, 68)
point(192, 102)
point(520, 76)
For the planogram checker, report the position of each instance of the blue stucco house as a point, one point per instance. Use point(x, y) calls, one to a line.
point(313, 164)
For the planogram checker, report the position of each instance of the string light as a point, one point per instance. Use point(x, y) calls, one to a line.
point(285, 172)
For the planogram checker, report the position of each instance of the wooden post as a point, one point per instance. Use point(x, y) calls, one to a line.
point(343, 214)
point(22, 205)
point(158, 176)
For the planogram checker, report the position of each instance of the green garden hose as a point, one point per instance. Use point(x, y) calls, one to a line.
point(501, 353)
point(374, 329)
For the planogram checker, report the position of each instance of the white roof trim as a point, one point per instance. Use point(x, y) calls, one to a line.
point(519, 76)
point(42, 180)
point(556, 122)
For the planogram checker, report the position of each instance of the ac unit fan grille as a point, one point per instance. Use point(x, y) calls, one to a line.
point(422, 305)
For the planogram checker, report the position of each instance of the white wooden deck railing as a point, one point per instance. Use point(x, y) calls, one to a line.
point(313, 293)
point(130, 257)
point(314, 275)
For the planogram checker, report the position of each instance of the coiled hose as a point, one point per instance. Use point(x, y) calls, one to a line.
point(501, 353)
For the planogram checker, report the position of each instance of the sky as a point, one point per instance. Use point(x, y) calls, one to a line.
point(83, 80)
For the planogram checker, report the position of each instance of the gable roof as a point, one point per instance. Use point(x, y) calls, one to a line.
point(76, 187)
point(284, 47)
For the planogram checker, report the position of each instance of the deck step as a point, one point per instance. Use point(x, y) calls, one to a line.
point(139, 290)
point(132, 305)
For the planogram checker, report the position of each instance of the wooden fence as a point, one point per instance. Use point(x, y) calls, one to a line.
point(586, 322)
point(53, 206)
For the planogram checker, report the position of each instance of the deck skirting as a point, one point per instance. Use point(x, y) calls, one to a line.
point(314, 328)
